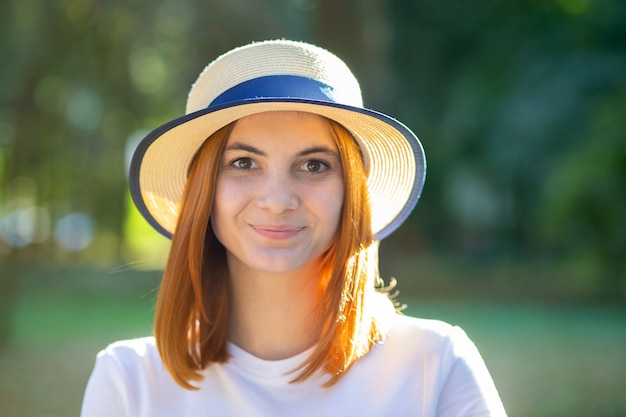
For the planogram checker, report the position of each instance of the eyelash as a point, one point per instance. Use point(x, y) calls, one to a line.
point(250, 161)
point(323, 166)
point(305, 166)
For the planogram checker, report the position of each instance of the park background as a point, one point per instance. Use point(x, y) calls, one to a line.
point(519, 237)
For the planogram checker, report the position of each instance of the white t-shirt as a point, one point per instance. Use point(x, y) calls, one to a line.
point(423, 368)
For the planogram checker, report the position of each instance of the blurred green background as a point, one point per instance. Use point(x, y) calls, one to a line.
point(520, 236)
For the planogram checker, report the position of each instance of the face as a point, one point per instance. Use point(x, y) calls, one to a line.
point(279, 192)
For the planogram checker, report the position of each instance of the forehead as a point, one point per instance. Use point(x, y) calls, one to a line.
point(285, 127)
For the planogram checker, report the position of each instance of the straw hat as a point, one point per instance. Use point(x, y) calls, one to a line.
point(269, 76)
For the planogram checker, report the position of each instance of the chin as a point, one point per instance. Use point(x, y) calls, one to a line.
point(279, 265)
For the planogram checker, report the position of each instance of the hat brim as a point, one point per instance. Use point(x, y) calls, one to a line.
point(393, 155)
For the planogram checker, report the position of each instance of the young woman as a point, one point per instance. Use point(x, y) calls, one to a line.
point(275, 189)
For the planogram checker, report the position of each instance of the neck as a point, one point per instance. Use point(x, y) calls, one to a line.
point(273, 316)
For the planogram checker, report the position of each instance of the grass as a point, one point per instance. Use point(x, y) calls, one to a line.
point(548, 360)
point(60, 319)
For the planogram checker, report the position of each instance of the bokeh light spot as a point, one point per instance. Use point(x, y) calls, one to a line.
point(84, 109)
point(147, 69)
point(74, 232)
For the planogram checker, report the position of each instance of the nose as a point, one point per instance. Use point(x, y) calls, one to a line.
point(278, 194)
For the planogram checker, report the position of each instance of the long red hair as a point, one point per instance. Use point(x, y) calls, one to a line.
point(191, 317)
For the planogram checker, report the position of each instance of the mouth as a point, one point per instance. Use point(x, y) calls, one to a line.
point(277, 232)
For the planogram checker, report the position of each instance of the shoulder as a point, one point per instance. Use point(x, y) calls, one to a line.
point(132, 365)
point(425, 343)
point(426, 334)
point(133, 348)
point(449, 362)
point(133, 356)
point(129, 379)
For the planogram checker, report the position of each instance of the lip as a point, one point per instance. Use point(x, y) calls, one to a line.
point(276, 232)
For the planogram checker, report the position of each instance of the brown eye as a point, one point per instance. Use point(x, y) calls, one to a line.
point(314, 165)
point(243, 163)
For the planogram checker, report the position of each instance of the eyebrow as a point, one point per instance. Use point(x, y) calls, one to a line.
point(317, 149)
point(239, 146)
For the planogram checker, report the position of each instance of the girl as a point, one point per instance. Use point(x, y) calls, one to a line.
point(275, 188)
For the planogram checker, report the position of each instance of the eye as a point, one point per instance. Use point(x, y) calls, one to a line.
point(243, 163)
point(314, 165)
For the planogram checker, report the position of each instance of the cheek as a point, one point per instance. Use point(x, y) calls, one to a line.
point(231, 199)
point(221, 207)
point(329, 204)
point(227, 195)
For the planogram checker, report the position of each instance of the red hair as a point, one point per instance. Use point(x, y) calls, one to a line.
point(191, 317)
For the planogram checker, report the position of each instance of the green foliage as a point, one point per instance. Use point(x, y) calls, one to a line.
point(520, 106)
point(585, 196)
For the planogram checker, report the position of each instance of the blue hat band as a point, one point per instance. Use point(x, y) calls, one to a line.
point(276, 87)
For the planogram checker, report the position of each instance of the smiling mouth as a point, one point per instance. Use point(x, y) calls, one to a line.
point(277, 232)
